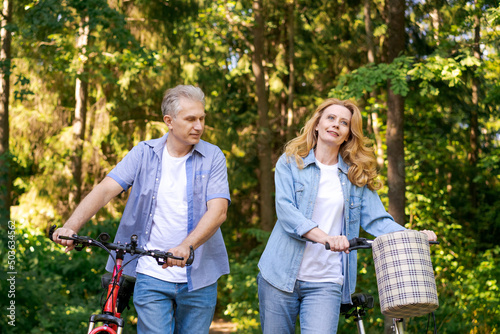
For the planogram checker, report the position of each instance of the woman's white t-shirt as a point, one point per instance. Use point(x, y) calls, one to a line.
point(319, 264)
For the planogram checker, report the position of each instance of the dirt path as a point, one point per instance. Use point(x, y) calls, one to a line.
point(220, 326)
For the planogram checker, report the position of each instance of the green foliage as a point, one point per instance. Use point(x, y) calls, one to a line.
point(137, 49)
point(368, 78)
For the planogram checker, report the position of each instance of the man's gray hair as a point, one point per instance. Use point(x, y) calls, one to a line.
point(171, 104)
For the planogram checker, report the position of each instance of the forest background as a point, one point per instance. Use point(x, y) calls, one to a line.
point(81, 83)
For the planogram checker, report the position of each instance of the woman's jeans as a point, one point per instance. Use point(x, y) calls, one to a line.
point(164, 307)
point(317, 304)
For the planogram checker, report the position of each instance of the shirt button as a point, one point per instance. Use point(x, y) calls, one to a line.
point(150, 215)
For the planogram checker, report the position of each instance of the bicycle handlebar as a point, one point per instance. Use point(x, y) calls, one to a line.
point(363, 243)
point(130, 248)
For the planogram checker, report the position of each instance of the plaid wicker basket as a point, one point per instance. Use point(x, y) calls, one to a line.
point(405, 276)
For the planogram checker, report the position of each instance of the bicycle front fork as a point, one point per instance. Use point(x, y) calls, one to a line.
point(398, 325)
point(107, 320)
point(361, 327)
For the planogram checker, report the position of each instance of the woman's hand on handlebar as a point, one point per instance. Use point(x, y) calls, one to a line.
point(431, 236)
point(65, 232)
point(338, 243)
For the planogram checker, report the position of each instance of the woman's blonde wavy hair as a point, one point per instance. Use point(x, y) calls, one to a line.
point(357, 151)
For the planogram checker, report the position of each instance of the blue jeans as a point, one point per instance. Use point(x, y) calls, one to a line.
point(317, 304)
point(163, 307)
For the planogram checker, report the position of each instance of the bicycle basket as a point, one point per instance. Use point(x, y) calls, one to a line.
point(405, 277)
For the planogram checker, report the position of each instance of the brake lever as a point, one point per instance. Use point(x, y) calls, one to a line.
point(79, 243)
point(161, 261)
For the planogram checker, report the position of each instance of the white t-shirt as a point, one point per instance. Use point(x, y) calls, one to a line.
point(170, 219)
point(319, 264)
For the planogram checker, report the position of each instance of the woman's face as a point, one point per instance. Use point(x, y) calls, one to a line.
point(334, 126)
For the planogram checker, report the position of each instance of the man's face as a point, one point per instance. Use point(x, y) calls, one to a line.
point(187, 127)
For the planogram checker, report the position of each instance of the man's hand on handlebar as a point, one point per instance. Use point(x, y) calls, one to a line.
point(65, 232)
point(179, 251)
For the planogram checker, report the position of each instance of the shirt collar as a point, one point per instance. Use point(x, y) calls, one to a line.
point(159, 143)
point(311, 159)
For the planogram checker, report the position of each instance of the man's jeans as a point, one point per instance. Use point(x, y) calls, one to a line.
point(165, 307)
point(318, 305)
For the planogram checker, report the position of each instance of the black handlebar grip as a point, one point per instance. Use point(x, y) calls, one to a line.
point(352, 243)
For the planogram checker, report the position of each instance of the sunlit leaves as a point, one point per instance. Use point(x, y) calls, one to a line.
point(367, 78)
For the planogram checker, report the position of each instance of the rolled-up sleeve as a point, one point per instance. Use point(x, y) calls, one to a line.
point(125, 171)
point(218, 185)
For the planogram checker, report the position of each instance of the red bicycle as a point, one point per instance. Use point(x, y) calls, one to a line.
point(119, 286)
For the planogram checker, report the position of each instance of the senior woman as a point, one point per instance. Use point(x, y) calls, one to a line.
point(325, 191)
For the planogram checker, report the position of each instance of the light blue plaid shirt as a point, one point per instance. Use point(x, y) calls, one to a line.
point(206, 173)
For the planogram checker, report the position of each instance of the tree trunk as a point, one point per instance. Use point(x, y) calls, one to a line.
point(395, 121)
point(395, 115)
point(473, 122)
point(5, 177)
point(374, 118)
point(264, 131)
point(370, 44)
point(81, 96)
point(435, 18)
point(290, 132)
point(395, 156)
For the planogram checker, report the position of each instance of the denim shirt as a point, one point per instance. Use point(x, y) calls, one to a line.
point(206, 179)
point(296, 191)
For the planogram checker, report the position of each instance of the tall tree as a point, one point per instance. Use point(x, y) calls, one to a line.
point(290, 133)
point(473, 121)
point(5, 63)
point(80, 116)
point(395, 114)
point(264, 130)
point(373, 117)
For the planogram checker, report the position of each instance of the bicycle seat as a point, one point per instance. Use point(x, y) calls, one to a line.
point(362, 300)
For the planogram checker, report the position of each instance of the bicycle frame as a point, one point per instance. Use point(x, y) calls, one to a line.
point(112, 321)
